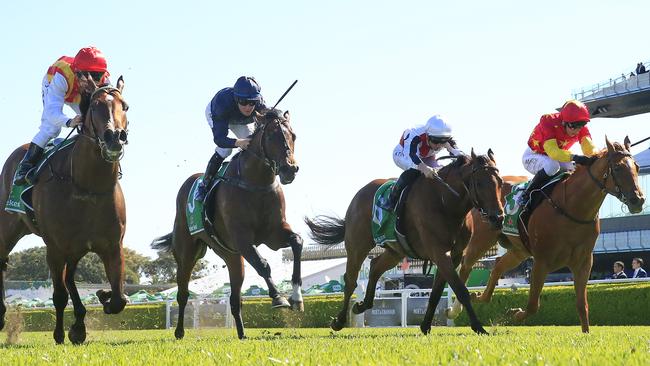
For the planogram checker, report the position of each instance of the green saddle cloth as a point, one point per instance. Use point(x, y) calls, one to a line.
point(383, 221)
point(194, 209)
point(513, 210)
point(15, 202)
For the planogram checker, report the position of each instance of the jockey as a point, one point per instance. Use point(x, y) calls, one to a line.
point(231, 109)
point(548, 145)
point(59, 87)
point(416, 154)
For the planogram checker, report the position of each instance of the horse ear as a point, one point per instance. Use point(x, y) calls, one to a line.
point(610, 147)
point(473, 155)
point(287, 116)
point(628, 143)
point(491, 155)
point(120, 83)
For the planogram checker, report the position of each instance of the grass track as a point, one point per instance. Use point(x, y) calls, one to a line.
point(506, 346)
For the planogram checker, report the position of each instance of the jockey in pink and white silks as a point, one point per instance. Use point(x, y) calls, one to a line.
point(416, 154)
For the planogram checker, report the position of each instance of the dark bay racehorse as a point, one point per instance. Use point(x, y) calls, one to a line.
point(431, 222)
point(248, 209)
point(78, 206)
point(563, 237)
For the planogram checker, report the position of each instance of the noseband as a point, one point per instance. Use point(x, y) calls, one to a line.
point(101, 143)
point(264, 157)
point(473, 190)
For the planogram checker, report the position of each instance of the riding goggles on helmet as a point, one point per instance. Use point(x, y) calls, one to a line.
point(246, 102)
point(576, 125)
point(439, 139)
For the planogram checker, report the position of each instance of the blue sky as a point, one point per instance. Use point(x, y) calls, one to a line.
point(367, 70)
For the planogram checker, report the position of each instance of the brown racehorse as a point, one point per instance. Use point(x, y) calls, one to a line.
point(431, 221)
point(248, 210)
point(78, 206)
point(563, 237)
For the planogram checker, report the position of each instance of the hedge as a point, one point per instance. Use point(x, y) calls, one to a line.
point(319, 311)
point(151, 316)
point(609, 304)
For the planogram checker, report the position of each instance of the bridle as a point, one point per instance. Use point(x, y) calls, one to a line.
point(473, 189)
point(95, 136)
point(264, 157)
point(618, 192)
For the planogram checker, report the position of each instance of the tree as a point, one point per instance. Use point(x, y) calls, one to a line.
point(28, 265)
point(31, 265)
point(163, 269)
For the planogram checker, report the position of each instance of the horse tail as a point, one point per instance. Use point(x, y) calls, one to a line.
point(326, 230)
point(163, 243)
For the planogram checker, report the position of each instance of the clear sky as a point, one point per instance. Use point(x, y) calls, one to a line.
point(367, 70)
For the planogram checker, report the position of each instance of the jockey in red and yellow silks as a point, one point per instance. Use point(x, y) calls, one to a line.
point(60, 87)
point(549, 144)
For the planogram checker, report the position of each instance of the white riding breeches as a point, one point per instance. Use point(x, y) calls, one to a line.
point(240, 131)
point(534, 162)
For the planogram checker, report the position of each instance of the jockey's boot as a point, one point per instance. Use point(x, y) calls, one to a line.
point(537, 182)
point(32, 156)
point(407, 177)
point(213, 167)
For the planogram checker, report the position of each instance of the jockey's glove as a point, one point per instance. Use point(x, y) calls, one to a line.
point(581, 159)
point(452, 143)
point(427, 171)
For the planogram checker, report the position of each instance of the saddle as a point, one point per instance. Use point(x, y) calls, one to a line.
point(517, 215)
point(386, 225)
point(20, 196)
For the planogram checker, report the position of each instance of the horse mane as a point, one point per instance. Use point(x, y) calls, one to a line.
point(460, 161)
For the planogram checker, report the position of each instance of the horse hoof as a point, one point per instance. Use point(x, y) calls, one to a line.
point(280, 302)
point(2, 323)
point(103, 296)
point(425, 329)
point(480, 330)
point(77, 335)
point(242, 337)
point(336, 325)
point(475, 296)
point(179, 333)
point(358, 308)
point(297, 305)
point(59, 337)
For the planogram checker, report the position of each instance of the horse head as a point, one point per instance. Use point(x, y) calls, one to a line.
point(274, 138)
point(105, 120)
point(483, 183)
point(624, 172)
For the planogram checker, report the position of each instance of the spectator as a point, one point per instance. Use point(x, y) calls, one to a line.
point(639, 272)
point(640, 68)
point(618, 270)
point(631, 74)
point(623, 76)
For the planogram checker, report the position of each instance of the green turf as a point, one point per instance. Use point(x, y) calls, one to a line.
point(506, 346)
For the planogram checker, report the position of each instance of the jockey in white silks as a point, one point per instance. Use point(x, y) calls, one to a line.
point(416, 154)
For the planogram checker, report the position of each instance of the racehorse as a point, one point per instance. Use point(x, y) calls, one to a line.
point(561, 231)
point(247, 209)
point(78, 206)
point(432, 218)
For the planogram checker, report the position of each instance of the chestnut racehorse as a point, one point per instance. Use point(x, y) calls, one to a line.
point(431, 221)
point(248, 210)
point(78, 206)
point(562, 230)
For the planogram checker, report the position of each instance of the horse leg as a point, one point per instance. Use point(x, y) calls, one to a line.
point(378, 266)
point(580, 278)
point(77, 332)
point(185, 255)
point(236, 273)
point(434, 298)
point(537, 277)
point(296, 301)
point(448, 272)
point(505, 263)
point(356, 256)
point(3, 308)
point(250, 253)
point(12, 230)
point(60, 295)
point(114, 300)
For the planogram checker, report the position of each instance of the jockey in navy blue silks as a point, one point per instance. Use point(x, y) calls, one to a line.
point(231, 109)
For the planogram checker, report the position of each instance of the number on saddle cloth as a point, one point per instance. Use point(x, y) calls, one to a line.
point(194, 210)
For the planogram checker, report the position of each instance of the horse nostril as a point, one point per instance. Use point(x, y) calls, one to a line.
point(123, 136)
point(297, 168)
point(108, 136)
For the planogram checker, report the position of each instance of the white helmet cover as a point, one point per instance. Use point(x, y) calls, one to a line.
point(436, 126)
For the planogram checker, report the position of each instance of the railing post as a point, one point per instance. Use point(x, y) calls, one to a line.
point(195, 313)
point(168, 314)
point(450, 303)
point(404, 308)
point(229, 318)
